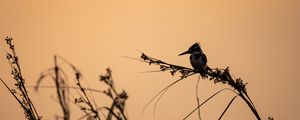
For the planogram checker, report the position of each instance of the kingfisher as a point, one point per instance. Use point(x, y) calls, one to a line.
point(198, 59)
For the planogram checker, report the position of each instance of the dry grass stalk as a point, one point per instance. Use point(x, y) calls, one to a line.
point(217, 75)
point(20, 93)
point(85, 102)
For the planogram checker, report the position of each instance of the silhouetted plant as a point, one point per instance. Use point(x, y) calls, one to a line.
point(85, 102)
point(217, 75)
point(116, 110)
point(118, 106)
point(92, 111)
point(20, 93)
point(59, 77)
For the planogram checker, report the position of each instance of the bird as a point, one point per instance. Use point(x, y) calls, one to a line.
point(198, 59)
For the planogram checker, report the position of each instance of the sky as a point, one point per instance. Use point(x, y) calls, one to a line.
point(258, 40)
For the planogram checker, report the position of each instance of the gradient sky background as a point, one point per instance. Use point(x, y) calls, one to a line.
point(259, 40)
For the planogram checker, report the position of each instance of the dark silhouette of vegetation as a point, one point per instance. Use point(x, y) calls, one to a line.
point(217, 75)
point(85, 101)
point(20, 92)
point(59, 78)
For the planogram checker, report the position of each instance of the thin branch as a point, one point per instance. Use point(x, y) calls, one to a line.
point(216, 74)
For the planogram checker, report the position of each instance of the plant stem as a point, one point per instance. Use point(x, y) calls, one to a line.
point(241, 94)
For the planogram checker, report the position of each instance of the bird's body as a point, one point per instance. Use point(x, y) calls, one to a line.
point(198, 59)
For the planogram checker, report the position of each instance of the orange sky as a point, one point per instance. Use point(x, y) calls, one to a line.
point(258, 40)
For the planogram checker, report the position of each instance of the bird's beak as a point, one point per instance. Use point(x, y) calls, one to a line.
point(186, 52)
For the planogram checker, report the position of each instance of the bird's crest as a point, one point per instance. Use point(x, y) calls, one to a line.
point(195, 46)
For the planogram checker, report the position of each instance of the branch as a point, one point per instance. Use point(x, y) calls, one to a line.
point(218, 75)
